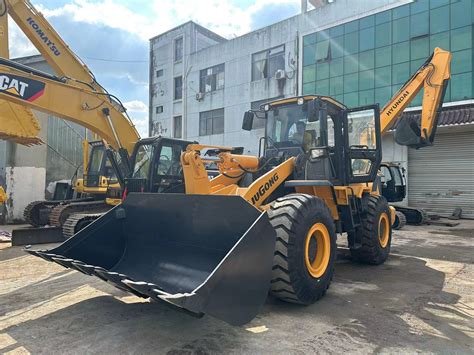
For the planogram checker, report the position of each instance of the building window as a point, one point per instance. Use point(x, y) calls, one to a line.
point(384, 53)
point(212, 79)
point(260, 122)
point(266, 63)
point(211, 122)
point(178, 88)
point(178, 49)
point(159, 109)
point(159, 73)
point(177, 126)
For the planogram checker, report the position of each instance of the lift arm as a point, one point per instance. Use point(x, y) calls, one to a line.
point(433, 76)
point(57, 96)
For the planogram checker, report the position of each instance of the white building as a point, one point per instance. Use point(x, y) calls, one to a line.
point(201, 84)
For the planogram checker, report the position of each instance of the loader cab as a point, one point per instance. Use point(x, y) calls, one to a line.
point(393, 182)
point(100, 171)
point(330, 141)
point(156, 166)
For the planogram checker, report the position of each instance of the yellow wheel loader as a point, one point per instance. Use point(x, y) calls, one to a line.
point(268, 223)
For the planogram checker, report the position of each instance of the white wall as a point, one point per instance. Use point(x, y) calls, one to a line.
point(24, 184)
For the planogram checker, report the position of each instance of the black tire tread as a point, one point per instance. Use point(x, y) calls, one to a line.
point(369, 251)
point(284, 213)
point(401, 221)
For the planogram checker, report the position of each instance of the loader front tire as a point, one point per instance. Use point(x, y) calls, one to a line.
point(305, 250)
point(375, 233)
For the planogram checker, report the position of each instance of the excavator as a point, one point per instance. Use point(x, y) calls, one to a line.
point(72, 94)
point(218, 246)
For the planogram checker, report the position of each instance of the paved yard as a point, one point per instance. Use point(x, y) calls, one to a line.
point(421, 300)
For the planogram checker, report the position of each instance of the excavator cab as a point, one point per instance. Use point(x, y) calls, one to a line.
point(100, 171)
point(157, 166)
point(393, 182)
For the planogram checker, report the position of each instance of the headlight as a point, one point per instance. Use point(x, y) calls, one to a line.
point(267, 107)
point(300, 101)
point(317, 153)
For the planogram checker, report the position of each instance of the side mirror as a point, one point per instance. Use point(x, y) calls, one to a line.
point(317, 110)
point(247, 122)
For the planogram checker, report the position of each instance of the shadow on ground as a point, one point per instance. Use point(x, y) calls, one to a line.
point(367, 309)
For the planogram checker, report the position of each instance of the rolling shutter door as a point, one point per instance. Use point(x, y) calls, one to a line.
point(441, 177)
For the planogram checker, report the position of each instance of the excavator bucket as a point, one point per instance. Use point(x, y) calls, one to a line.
point(408, 132)
point(18, 124)
point(206, 254)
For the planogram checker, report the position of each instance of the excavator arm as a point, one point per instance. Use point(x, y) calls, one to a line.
point(69, 67)
point(433, 77)
point(57, 96)
point(48, 42)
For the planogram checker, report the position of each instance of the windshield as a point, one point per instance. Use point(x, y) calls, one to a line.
point(397, 176)
point(97, 155)
point(362, 129)
point(287, 126)
point(141, 165)
point(169, 162)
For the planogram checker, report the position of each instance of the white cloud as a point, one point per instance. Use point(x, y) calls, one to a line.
point(19, 44)
point(136, 106)
point(141, 124)
point(223, 17)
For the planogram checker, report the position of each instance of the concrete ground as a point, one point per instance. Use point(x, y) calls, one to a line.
point(420, 300)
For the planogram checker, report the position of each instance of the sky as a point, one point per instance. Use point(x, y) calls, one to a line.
point(112, 36)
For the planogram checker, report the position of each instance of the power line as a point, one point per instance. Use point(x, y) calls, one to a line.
point(117, 60)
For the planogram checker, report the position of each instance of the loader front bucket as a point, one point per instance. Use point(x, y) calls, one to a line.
point(204, 253)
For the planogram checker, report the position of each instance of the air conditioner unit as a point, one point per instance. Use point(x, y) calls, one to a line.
point(280, 74)
point(200, 96)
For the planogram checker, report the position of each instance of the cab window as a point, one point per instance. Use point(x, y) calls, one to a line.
point(97, 156)
point(141, 165)
point(386, 176)
point(169, 161)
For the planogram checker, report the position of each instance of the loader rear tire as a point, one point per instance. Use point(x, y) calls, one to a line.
point(305, 249)
point(375, 233)
point(400, 220)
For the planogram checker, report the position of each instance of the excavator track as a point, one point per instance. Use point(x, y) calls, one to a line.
point(34, 215)
point(414, 216)
point(78, 221)
point(61, 213)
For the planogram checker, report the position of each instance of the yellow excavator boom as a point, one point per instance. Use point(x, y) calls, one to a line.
point(58, 97)
point(69, 67)
point(432, 77)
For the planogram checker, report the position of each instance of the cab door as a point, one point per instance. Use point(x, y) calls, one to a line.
point(363, 147)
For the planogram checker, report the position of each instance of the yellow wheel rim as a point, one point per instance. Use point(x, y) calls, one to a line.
point(384, 230)
point(317, 250)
